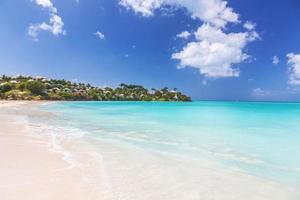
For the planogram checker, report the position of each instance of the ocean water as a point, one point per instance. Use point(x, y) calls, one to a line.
point(261, 139)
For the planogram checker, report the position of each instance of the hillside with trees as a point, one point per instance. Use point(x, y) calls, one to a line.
point(41, 88)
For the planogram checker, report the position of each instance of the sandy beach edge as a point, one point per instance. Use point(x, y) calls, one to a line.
point(31, 169)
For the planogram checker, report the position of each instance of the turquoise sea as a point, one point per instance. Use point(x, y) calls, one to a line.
point(262, 139)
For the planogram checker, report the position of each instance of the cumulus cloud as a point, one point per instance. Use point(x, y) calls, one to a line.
point(214, 52)
point(55, 24)
point(294, 68)
point(184, 35)
point(46, 4)
point(215, 12)
point(100, 35)
point(275, 60)
point(144, 7)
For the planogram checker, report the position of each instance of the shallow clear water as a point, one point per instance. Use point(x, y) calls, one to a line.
point(262, 139)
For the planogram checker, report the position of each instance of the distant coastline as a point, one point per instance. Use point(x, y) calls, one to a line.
point(42, 88)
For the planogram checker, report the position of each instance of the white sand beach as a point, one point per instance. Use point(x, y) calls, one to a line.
point(30, 169)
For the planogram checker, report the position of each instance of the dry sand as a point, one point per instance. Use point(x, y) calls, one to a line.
point(30, 170)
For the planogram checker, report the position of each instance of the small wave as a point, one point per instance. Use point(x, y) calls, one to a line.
point(57, 136)
point(229, 154)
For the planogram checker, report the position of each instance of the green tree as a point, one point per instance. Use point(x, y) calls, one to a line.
point(21, 86)
point(5, 78)
point(94, 95)
point(36, 87)
point(66, 95)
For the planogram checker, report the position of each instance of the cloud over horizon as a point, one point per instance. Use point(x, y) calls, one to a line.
point(294, 68)
point(259, 92)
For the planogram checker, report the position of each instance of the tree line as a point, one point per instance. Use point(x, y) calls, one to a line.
point(41, 88)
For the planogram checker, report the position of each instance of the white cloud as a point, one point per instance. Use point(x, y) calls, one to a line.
point(46, 4)
point(258, 92)
point(249, 25)
point(275, 60)
point(184, 35)
point(215, 12)
point(294, 68)
point(55, 25)
point(100, 35)
point(214, 52)
point(144, 7)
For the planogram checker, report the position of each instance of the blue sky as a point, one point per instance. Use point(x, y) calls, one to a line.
point(209, 49)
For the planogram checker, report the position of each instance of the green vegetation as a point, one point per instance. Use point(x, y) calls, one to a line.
point(41, 88)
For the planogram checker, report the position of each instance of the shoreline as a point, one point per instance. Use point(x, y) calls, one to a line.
point(31, 168)
point(141, 174)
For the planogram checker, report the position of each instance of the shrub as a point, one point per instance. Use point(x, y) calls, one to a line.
point(5, 87)
point(36, 87)
point(66, 95)
point(94, 95)
point(21, 86)
point(17, 95)
point(54, 96)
